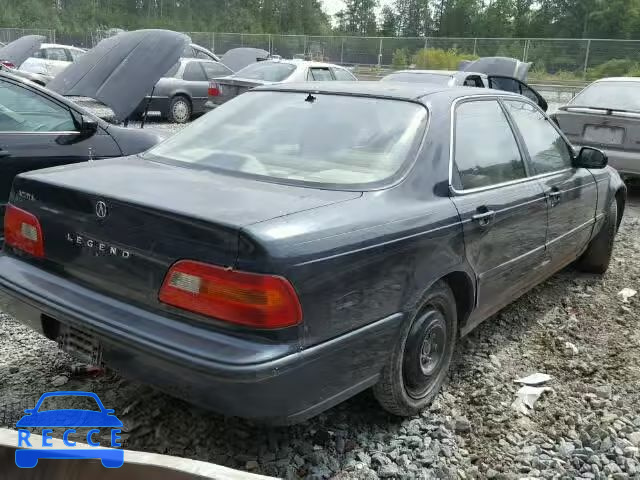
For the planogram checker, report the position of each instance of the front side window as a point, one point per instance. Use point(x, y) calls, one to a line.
point(547, 149)
point(295, 137)
point(22, 110)
point(486, 152)
point(319, 75)
point(193, 73)
point(267, 71)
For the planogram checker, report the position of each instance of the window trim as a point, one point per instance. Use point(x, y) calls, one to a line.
point(461, 192)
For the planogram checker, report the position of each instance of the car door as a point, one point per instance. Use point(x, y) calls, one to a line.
point(503, 210)
point(510, 84)
point(197, 84)
point(572, 193)
point(36, 132)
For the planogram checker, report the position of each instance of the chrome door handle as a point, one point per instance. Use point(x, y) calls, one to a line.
point(484, 218)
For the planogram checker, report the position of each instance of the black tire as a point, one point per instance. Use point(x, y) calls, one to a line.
point(179, 109)
point(597, 257)
point(420, 360)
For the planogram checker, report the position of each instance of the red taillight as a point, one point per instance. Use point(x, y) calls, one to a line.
point(7, 63)
point(254, 300)
point(22, 231)
point(214, 89)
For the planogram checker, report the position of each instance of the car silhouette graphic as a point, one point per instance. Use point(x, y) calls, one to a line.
point(69, 417)
point(109, 457)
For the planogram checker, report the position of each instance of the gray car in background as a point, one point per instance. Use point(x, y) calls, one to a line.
point(606, 115)
point(183, 91)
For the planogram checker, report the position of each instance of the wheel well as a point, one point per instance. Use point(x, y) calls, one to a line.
point(621, 198)
point(462, 288)
point(183, 95)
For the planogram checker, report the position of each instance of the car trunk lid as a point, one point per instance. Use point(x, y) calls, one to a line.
point(229, 88)
point(598, 127)
point(118, 225)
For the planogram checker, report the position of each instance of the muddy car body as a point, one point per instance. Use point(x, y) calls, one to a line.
point(274, 274)
point(606, 115)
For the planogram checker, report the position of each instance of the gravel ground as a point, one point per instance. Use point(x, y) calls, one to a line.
point(574, 327)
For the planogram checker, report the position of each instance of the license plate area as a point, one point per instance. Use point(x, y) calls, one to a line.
point(605, 135)
point(81, 345)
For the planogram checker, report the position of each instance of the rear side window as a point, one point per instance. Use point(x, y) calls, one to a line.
point(173, 70)
point(486, 152)
point(214, 70)
point(76, 54)
point(58, 54)
point(319, 75)
point(193, 72)
point(547, 149)
point(343, 75)
point(267, 71)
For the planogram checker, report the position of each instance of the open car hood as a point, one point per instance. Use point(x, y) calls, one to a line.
point(19, 50)
point(502, 66)
point(238, 58)
point(122, 69)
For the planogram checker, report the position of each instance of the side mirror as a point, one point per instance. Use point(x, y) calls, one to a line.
point(29, 411)
point(88, 126)
point(591, 158)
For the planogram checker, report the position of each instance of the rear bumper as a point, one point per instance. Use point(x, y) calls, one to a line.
point(276, 384)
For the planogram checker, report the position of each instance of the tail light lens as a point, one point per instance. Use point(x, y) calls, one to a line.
point(214, 89)
point(254, 300)
point(22, 231)
point(7, 64)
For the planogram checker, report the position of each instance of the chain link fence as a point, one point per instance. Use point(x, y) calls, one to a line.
point(563, 58)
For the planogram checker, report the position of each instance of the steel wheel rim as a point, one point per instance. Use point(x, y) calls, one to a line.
point(425, 353)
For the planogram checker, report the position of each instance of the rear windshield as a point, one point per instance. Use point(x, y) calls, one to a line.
point(440, 79)
point(613, 95)
point(267, 71)
point(297, 138)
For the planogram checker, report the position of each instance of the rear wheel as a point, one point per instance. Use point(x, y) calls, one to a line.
point(597, 257)
point(420, 360)
point(179, 110)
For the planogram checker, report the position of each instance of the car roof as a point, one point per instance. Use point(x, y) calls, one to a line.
point(396, 90)
point(307, 63)
point(619, 79)
point(58, 45)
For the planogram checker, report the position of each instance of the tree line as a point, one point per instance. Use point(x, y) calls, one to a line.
point(452, 18)
point(493, 18)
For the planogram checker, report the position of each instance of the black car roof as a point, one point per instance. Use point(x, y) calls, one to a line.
point(397, 90)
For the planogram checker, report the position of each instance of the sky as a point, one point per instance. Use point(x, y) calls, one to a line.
point(332, 6)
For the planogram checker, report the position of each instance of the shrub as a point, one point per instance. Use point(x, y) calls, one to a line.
point(612, 68)
point(400, 58)
point(437, 59)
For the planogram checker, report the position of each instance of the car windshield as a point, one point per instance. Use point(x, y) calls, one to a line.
point(610, 95)
point(406, 77)
point(267, 71)
point(299, 138)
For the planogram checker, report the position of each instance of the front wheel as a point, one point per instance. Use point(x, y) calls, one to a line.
point(179, 110)
point(420, 360)
point(597, 257)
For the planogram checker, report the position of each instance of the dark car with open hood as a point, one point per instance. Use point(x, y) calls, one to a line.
point(275, 258)
point(43, 128)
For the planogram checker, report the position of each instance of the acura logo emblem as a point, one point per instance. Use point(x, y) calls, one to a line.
point(101, 209)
